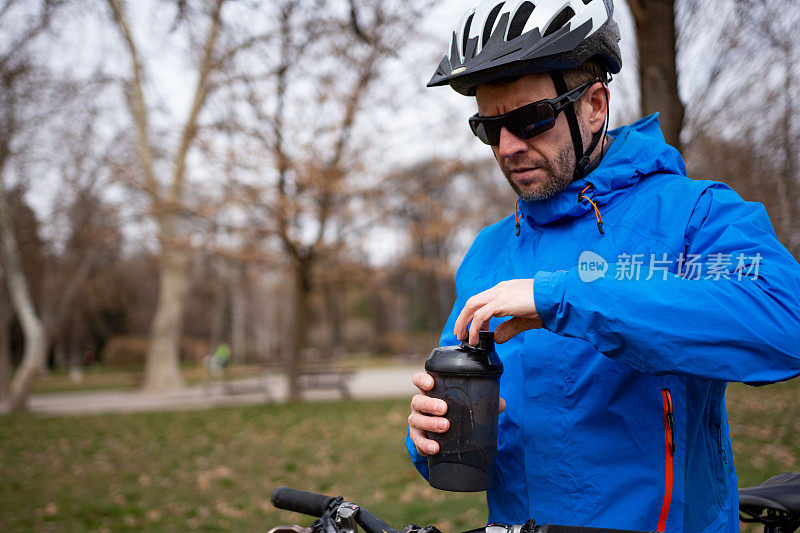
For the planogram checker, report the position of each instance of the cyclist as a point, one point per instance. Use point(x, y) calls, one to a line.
point(624, 295)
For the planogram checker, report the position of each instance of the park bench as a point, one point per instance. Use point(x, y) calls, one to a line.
point(325, 376)
point(222, 380)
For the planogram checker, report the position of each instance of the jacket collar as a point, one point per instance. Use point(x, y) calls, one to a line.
point(638, 150)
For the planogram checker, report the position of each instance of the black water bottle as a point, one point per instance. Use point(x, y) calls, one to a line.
point(468, 379)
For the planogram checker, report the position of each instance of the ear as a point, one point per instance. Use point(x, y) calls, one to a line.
point(594, 106)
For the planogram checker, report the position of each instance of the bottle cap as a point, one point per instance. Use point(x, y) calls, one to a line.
point(466, 359)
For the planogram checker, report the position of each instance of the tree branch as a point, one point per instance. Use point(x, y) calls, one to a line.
point(199, 99)
point(137, 101)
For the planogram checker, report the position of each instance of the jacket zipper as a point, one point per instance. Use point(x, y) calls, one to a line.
point(669, 438)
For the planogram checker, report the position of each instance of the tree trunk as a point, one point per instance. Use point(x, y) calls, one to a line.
point(238, 316)
point(33, 358)
point(302, 293)
point(270, 332)
point(333, 317)
point(658, 77)
point(787, 197)
point(5, 355)
point(59, 354)
point(219, 307)
point(33, 331)
point(162, 368)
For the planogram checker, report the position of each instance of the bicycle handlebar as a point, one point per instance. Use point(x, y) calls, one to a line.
point(317, 505)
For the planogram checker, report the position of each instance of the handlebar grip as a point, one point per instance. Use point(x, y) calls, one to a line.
point(300, 501)
point(373, 524)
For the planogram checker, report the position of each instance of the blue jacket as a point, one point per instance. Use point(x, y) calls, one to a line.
point(616, 412)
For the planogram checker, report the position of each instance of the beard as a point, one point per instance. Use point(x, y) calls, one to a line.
point(558, 174)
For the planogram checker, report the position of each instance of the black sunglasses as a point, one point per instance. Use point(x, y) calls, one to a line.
point(527, 121)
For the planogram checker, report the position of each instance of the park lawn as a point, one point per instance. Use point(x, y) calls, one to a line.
point(214, 470)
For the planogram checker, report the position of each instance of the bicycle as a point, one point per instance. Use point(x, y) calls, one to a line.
point(775, 504)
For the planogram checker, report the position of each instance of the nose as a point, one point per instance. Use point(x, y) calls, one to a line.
point(510, 144)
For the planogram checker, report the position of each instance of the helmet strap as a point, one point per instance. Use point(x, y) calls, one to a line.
point(581, 158)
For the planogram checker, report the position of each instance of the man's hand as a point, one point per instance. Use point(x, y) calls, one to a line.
point(427, 415)
point(508, 298)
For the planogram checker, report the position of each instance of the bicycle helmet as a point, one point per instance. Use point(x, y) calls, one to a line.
point(504, 39)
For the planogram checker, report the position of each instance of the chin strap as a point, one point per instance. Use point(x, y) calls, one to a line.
point(581, 158)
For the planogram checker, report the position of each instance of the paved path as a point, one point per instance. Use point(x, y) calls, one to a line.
point(389, 382)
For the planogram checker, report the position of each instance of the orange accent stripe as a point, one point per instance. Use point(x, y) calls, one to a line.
point(669, 438)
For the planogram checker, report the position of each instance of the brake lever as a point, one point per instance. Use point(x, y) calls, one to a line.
point(327, 522)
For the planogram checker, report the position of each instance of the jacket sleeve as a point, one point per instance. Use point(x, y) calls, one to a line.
point(745, 328)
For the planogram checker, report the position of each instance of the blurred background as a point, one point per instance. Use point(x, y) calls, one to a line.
point(206, 191)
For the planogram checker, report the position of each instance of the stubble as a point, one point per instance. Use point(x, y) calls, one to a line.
point(558, 174)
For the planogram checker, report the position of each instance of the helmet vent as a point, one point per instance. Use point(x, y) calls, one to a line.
point(487, 28)
point(560, 20)
point(520, 18)
point(587, 2)
point(465, 38)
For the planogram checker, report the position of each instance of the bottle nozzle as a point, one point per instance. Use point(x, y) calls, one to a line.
point(486, 341)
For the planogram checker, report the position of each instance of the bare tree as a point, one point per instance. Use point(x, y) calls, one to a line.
point(658, 77)
point(312, 111)
point(778, 35)
point(33, 359)
point(166, 197)
point(757, 70)
point(21, 113)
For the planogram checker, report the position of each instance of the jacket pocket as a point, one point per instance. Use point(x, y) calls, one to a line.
point(669, 441)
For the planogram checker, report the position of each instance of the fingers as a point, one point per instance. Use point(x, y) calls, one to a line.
point(423, 381)
point(502, 406)
point(508, 298)
point(468, 312)
point(435, 424)
point(423, 445)
point(480, 320)
point(420, 422)
point(427, 405)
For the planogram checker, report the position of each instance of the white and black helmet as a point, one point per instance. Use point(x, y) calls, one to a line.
point(502, 39)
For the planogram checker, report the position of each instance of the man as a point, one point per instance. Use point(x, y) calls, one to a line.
point(623, 295)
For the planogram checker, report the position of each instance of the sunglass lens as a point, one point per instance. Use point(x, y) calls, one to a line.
point(525, 122)
point(532, 130)
point(480, 132)
point(531, 121)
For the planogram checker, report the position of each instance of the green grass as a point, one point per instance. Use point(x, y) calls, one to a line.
point(765, 425)
point(214, 470)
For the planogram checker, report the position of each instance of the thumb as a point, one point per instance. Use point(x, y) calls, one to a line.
point(510, 328)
